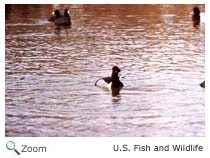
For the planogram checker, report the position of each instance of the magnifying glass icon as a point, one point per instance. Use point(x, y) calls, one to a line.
point(11, 146)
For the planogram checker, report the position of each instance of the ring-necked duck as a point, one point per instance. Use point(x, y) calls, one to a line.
point(67, 17)
point(60, 20)
point(56, 14)
point(202, 84)
point(196, 16)
point(112, 81)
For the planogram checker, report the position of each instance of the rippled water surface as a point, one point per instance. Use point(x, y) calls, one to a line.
point(51, 71)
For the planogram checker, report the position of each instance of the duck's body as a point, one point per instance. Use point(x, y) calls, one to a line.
point(52, 19)
point(110, 82)
point(104, 83)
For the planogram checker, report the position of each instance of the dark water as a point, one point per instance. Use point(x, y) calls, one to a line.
point(51, 71)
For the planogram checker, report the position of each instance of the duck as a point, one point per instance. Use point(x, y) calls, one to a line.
point(60, 20)
point(196, 16)
point(67, 16)
point(56, 14)
point(202, 84)
point(111, 82)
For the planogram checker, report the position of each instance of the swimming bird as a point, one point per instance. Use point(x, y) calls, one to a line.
point(111, 82)
point(196, 17)
point(202, 84)
point(60, 20)
point(56, 14)
point(67, 17)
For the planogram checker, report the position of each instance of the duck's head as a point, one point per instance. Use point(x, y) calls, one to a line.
point(66, 12)
point(115, 69)
point(57, 13)
point(196, 11)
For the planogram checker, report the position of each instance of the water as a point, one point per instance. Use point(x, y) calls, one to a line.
point(51, 71)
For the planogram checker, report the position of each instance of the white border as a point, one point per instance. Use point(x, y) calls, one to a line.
point(105, 2)
point(95, 146)
point(2, 76)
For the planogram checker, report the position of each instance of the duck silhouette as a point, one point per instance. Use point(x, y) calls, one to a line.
point(56, 14)
point(196, 17)
point(67, 18)
point(60, 20)
point(202, 84)
point(111, 82)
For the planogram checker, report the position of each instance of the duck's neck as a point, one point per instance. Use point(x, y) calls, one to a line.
point(66, 15)
point(115, 77)
point(116, 83)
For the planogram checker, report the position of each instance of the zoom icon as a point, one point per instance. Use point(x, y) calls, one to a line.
point(11, 146)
